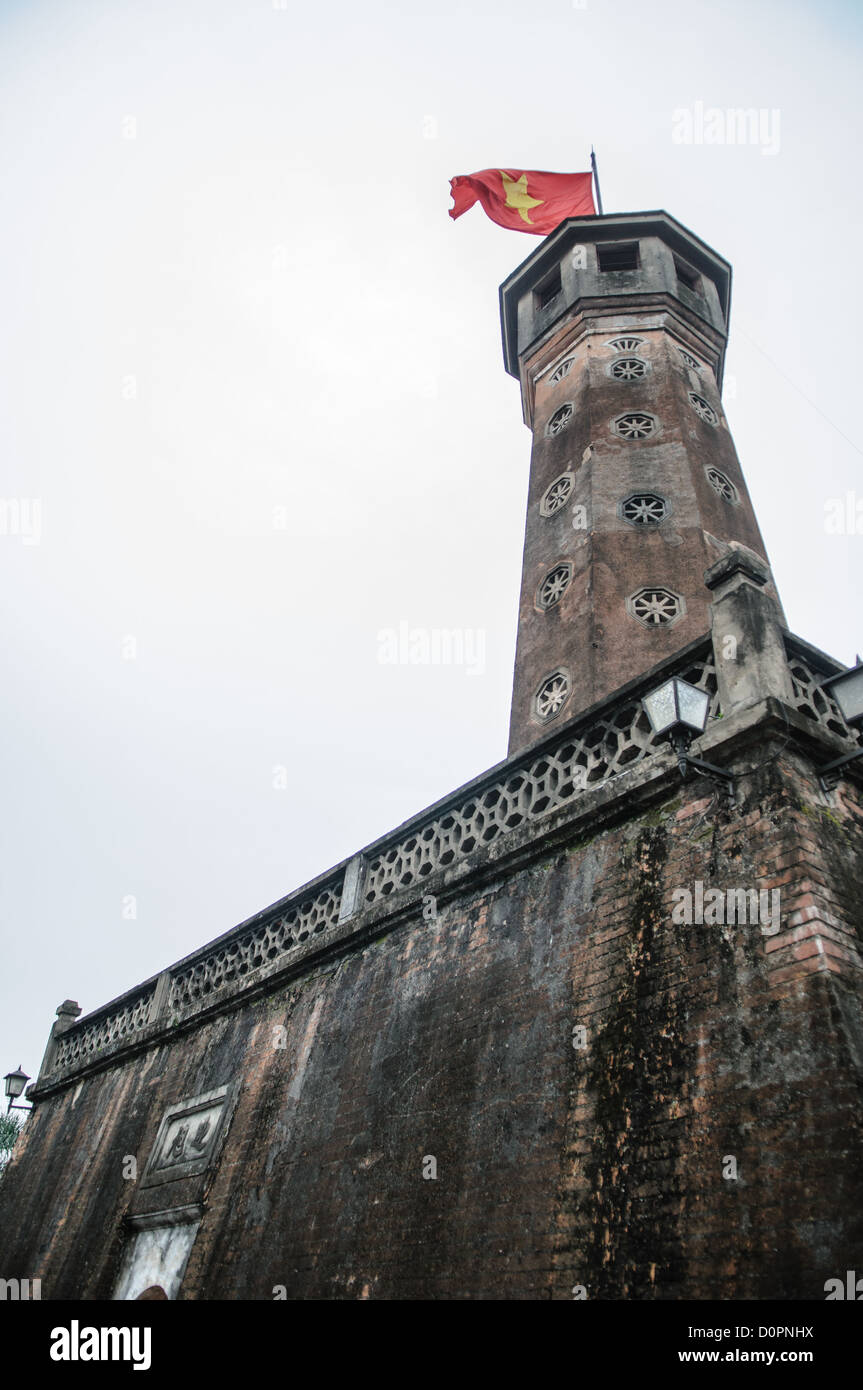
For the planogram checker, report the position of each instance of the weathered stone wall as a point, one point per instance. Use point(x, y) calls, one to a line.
point(557, 1165)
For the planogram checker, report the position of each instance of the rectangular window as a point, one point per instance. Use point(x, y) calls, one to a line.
point(623, 256)
point(687, 277)
point(548, 290)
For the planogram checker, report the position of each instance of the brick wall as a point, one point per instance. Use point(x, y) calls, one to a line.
point(557, 1165)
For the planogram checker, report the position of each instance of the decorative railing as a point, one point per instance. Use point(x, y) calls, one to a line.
point(249, 952)
point(93, 1035)
point(583, 758)
point(585, 754)
point(808, 669)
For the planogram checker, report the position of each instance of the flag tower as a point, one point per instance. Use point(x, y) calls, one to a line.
point(616, 329)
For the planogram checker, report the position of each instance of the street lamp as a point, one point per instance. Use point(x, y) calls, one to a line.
point(15, 1081)
point(847, 688)
point(679, 710)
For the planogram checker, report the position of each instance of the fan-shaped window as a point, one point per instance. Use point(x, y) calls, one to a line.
point(655, 607)
point(644, 509)
point(722, 485)
point(636, 424)
point(552, 695)
point(559, 420)
point(703, 408)
point(561, 371)
point(556, 495)
point(554, 586)
point(628, 369)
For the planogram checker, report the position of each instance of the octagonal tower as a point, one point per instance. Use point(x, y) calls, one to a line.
point(616, 328)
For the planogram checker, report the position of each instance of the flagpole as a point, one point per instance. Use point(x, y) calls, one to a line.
point(596, 180)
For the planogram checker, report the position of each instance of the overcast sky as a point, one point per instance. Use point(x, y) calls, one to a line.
point(252, 394)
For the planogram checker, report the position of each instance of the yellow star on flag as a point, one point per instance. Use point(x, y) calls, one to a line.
point(517, 195)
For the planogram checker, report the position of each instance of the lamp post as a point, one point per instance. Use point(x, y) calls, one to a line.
point(847, 689)
point(678, 710)
point(15, 1081)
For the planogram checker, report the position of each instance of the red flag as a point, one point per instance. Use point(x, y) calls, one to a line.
point(524, 201)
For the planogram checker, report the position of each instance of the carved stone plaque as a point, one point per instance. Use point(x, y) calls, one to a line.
point(188, 1135)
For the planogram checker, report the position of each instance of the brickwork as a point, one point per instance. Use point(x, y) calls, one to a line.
point(715, 1041)
point(591, 632)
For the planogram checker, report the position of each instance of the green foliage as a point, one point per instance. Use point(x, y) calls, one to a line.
point(10, 1127)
